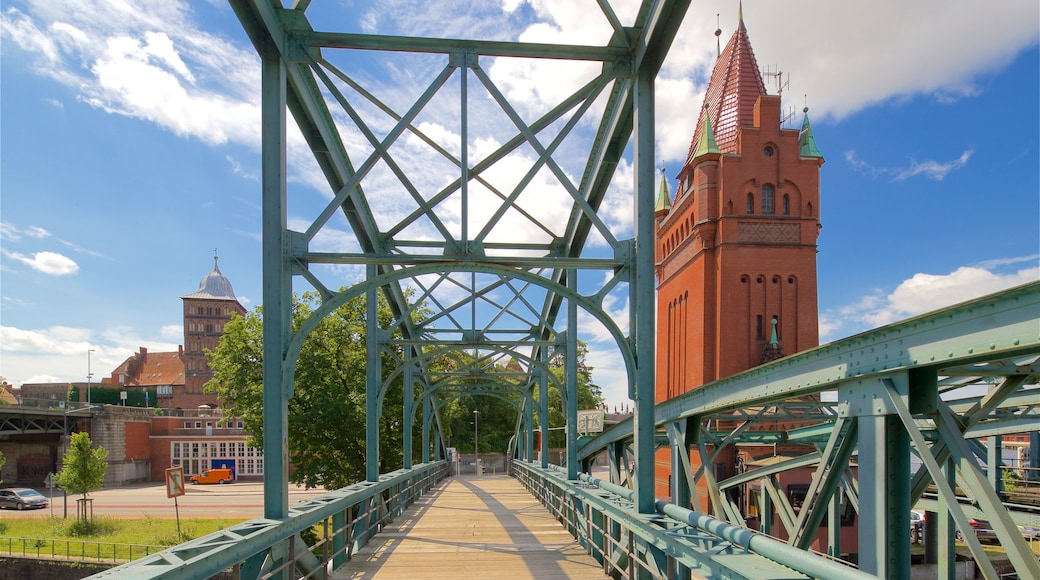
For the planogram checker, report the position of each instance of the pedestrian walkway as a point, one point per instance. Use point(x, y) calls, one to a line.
point(473, 527)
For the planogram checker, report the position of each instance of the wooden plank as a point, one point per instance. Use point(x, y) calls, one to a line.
point(473, 527)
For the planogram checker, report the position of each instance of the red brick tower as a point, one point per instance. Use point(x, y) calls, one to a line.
point(206, 311)
point(736, 247)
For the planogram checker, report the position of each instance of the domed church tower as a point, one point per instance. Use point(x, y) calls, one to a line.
point(206, 311)
point(736, 247)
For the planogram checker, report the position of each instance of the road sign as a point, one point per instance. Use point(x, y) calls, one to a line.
point(590, 421)
point(174, 481)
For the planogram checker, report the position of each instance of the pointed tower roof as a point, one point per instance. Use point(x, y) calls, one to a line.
point(705, 141)
point(806, 142)
point(733, 90)
point(664, 200)
point(772, 350)
point(214, 286)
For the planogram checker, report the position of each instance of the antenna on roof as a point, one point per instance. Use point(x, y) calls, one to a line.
point(778, 79)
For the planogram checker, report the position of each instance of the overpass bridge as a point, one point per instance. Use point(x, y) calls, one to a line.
point(499, 253)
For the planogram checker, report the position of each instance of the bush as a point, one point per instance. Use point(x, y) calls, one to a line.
point(92, 527)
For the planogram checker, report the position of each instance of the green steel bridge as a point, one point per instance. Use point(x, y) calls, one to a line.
point(491, 267)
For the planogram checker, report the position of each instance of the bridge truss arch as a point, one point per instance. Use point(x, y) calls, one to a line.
point(494, 213)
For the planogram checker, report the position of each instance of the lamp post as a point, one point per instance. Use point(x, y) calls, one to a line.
point(89, 376)
point(476, 441)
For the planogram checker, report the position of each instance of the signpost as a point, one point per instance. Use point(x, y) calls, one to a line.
point(590, 421)
point(175, 488)
point(49, 482)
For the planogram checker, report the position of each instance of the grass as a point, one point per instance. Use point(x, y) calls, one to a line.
point(103, 538)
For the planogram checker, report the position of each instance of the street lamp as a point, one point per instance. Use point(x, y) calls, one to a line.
point(89, 376)
point(476, 440)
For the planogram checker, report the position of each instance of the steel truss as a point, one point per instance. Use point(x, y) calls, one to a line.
point(895, 396)
point(445, 253)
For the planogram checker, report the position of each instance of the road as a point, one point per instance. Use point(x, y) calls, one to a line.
point(235, 500)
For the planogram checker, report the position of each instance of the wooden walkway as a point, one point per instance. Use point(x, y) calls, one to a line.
point(473, 527)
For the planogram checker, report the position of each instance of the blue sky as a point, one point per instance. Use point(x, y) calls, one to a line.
point(129, 151)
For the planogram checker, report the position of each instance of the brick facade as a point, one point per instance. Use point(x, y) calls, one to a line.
point(736, 247)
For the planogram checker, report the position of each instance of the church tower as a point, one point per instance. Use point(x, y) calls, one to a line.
point(206, 311)
point(736, 247)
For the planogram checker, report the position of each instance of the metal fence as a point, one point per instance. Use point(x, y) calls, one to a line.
point(76, 550)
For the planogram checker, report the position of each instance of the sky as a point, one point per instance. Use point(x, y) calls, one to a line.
point(129, 152)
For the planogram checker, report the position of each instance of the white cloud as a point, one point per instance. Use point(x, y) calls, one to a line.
point(172, 332)
point(931, 169)
point(59, 353)
point(923, 293)
point(46, 262)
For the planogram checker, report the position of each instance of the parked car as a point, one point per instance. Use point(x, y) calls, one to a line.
point(916, 526)
point(215, 475)
point(20, 498)
point(1029, 533)
point(983, 530)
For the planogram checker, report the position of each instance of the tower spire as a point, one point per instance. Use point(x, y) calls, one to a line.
point(718, 36)
point(806, 142)
point(736, 83)
point(664, 200)
point(706, 139)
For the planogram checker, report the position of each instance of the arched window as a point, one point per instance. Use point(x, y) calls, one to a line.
point(768, 198)
point(750, 203)
point(787, 204)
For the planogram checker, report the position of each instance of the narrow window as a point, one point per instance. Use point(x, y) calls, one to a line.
point(787, 204)
point(750, 203)
point(758, 327)
point(768, 196)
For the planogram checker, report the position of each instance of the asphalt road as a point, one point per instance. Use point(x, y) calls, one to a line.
point(234, 500)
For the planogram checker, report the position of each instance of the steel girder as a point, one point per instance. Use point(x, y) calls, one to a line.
point(20, 420)
point(468, 260)
point(890, 396)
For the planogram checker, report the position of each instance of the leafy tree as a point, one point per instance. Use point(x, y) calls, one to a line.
point(497, 418)
point(590, 396)
point(327, 410)
point(3, 460)
point(83, 468)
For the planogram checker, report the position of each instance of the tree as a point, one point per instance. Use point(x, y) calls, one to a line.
point(497, 419)
point(590, 396)
point(327, 409)
point(3, 460)
point(83, 468)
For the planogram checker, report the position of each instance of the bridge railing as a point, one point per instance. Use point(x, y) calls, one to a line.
point(261, 547)
point(601, 516)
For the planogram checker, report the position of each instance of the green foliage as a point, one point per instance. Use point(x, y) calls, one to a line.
point(84, 468)
point(101, 395)
point(496, 422)
point(150, 531)
point(327, 410)
point(3, 460)
point(80, 528)
point(1010, 480)
point(590, 396)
